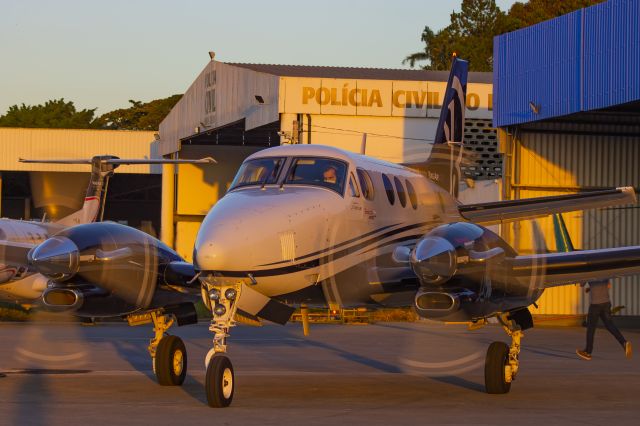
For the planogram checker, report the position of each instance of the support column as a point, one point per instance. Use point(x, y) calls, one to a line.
point(167, 225)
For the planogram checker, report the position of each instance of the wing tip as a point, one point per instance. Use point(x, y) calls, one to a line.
point(630, 191)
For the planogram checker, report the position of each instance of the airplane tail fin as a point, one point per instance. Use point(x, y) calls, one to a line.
point(444, 163)
point(102, 168)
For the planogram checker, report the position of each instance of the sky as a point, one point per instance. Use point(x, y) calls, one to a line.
point(103, 53)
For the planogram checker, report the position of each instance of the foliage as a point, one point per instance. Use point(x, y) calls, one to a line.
point(524, 14)
point(471, 31)
point(140, 116)
point(53, 114)
point(12, 312)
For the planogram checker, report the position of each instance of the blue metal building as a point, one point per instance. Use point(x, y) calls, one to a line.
point(587, 60)
point(567, 106)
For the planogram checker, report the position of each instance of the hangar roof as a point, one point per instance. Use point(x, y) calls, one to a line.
point(359, 73)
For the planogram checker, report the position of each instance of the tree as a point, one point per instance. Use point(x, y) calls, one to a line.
point(471, 31)
point(470, 34)
point(534, 11)
point(53, 114)
point(140, 116)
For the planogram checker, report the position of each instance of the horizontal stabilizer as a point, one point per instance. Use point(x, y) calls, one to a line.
point(528, 208)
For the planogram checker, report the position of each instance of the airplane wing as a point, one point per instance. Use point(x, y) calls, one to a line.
point(13, 253)
point(556, 269)
point(511, 210)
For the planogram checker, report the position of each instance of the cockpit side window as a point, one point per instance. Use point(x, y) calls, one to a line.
point(260, 171)
point(366, 184)
point(353, 187)
point(325, 172)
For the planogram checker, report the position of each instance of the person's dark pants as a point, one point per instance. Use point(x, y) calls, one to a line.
point(602, 311)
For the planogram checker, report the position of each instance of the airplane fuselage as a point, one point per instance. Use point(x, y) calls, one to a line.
point(302, 242)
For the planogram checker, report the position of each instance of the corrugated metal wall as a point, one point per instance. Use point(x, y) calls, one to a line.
point(555, 163)
point(540, 65)
point(611, 54)
point(18, 143)
point(585, 60)
point(220, 95)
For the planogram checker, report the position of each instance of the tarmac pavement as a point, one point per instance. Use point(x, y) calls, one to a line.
point(396, 373)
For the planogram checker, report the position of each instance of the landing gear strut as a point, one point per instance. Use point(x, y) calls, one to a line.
point(168, 353)
point(219, 383)
point(502, 363)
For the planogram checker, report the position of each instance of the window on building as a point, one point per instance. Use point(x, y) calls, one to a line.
point(391, 196)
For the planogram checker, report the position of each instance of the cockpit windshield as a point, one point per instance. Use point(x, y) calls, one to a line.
point(325, 172)
point(258, 172)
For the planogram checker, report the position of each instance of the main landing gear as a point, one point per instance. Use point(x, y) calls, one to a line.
point(168, 353)
point(219, 382)
point(502, 363)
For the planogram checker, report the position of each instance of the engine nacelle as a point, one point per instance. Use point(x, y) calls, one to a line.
point(123, 261)
point(438, 304)
point(455, 248)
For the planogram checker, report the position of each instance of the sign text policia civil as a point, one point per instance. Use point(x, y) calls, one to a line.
point(376, 97)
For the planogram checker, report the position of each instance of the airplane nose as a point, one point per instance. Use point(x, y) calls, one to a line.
point(56, 258)
point(208, 256)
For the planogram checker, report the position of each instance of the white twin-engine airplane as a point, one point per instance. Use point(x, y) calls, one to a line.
point(316, 226)
point(308, 224)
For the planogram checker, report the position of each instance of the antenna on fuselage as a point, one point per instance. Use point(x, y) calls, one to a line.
point(363, 145)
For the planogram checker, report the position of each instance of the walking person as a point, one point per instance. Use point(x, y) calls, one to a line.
point(600, 308)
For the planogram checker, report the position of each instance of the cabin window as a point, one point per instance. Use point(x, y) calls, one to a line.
point(325, 172)
point(260, 171)
point(366, 185)
point(353, 187)
point(402, 196)
point(391, 196)
point(413, 198)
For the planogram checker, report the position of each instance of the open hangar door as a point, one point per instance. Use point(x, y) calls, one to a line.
point(199, 187)
point(584, 151)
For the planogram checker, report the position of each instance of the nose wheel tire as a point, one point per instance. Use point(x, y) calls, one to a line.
point(170, 362)
point(219, 384)
point(494, 368)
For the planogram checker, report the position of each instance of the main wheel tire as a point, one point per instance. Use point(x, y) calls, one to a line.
point(170, 363)
point(219, 383)
point(494, 374)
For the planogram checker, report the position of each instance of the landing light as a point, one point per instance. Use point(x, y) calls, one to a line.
point(219, 309)
point(214, 294)
point(230, 293)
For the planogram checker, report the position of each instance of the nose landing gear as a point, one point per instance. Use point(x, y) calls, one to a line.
point(219, 383)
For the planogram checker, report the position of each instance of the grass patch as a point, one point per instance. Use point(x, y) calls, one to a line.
point(13, 312)
point(394, 315)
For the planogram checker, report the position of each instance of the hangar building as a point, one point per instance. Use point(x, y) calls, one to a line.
point(232, 109)
point(567, 105)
